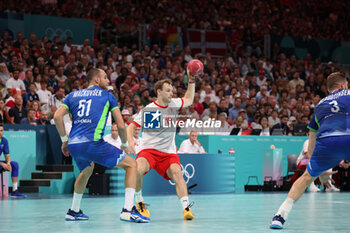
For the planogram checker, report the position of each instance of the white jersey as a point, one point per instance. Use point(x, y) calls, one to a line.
point(157, 122)
point(115, 142)
point(138, 144)
point(303, 152)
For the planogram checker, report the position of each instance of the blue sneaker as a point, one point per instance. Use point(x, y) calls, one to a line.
point(133, 216)
point(277, 222)
point(76, 216)
point(18, 194)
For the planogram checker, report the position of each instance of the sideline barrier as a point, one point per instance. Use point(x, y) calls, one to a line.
point(210, 173)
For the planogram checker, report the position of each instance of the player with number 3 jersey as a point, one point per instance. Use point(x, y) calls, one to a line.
point(329, 142)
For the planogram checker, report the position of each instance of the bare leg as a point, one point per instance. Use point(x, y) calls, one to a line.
point(174, 173)
point(130, 167)
point(300, 186)
point(83, 178)
point(142, 167)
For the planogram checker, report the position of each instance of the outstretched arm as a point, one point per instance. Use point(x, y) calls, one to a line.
point(189, 95)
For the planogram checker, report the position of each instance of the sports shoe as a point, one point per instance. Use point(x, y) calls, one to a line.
point(133, 216)
point(188, 215)
point(76, 216)
point(277, 222)
point(313, 188)
point(332, 188)
point(141, 207)
point(18, 194)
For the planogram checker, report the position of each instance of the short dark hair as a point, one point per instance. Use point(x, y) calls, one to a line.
point(93, 73)
point(334, 80)
point(160, 83)
point(2, 125)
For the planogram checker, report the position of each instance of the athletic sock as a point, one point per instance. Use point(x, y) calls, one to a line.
point(129, 198)
point(184, 202)
point(285, 208)
point(76, 202)
point(14, 186)
point(138, 197)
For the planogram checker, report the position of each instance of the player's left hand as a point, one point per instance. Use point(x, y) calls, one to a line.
point(325, 177)
point(65, 149)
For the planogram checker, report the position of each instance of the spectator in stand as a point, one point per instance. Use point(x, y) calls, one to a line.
point(15, 82)
point(233, 112)
point(284, 126)
point(126, 117)
point(273, 119)
point(36, 107)
point(18, 112)
point(44, 96)
point(44, 116)
point(225, 127)
point(4, 115)
point(296, 81)
point(31, 95)
point(263, 125)
point(113, 138)
point(56, 100)
point(4, 74)
point(30, 119)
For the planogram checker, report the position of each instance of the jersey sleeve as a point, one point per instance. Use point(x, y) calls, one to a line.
point(314, 125)
point(178, 103)
point(66, 102)
point(113, 103)
point(6, 147)
point(138, 119)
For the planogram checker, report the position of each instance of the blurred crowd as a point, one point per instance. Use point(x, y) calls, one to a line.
point(245, 92)
point(243, 20)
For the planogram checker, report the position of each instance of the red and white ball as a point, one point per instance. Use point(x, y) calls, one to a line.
point(195, 67)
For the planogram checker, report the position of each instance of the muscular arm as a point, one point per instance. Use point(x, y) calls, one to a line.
point(58, 117)
point(120, 124)
point(312, 143)
point(189, 95)
point(130, 130)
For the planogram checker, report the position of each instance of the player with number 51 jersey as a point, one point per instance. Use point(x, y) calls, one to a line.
point(89, 109)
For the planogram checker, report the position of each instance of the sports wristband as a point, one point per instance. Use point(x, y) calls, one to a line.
point(125, 144)
point(64, 138)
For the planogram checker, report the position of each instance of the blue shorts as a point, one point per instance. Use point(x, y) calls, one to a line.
point(328, 153)
point(100, 152)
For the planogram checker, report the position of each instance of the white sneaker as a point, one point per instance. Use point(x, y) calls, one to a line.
point(332, 189)
point(313, 188)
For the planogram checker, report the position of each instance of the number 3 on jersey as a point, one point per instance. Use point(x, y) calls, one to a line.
point(335, 107)
point(84, 104)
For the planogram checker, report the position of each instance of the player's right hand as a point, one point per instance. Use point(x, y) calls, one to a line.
point(131, 148)
point(65, 149)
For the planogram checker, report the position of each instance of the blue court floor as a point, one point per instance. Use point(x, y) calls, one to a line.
point(247, 212)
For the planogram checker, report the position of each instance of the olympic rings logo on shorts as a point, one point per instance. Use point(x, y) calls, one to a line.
point(185, 173)
point(52, 33)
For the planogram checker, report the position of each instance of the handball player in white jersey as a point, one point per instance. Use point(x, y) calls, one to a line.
point(158, 149)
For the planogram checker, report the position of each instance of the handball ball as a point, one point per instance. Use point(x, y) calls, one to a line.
point(195, 67)
point(272, 147)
